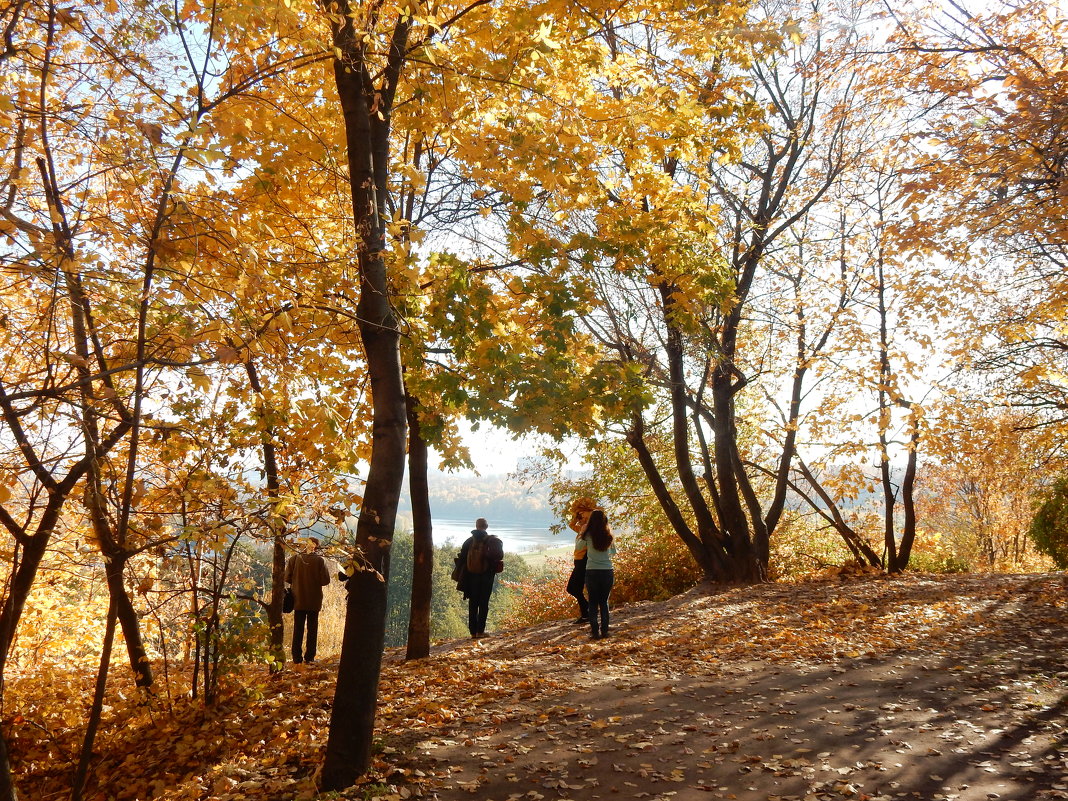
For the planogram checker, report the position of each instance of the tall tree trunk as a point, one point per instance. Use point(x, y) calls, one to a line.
point(422, 537)
point(277, 526)
point(890, 557)
point(348, 748)
point(680, 425)
point(367, 125)
point(111, 539)
point(729, 544)
point(725, 383)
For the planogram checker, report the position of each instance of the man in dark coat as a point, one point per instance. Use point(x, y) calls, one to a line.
point(479, 558)
point(307, 574)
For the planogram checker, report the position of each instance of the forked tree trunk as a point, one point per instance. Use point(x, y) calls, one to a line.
point(722, 543)
point(897, 552)
point(908, 502)
point(367, 126)
point(128, 620)
point(115, 559)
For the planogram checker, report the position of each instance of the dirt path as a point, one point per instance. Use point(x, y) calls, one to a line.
point(914, 687)
point(968, 703)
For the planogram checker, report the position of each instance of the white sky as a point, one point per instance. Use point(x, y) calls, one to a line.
point(492, 449)
point(495, 452)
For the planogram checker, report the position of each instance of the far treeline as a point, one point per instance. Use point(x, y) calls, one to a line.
point(758, 259)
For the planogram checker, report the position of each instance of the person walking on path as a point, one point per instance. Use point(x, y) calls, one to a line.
point(576, 582)
point(481, 558)
point(599, 573)
point(307, 574)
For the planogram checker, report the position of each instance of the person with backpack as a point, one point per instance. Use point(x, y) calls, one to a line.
point(481, 559)
point(599, 573)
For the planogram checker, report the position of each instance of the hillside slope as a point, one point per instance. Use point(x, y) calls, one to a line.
point(916, 687)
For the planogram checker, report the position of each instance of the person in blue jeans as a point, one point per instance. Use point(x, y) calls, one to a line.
point(599, 573)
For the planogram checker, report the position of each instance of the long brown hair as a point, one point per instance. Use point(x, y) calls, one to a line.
point(597, 530)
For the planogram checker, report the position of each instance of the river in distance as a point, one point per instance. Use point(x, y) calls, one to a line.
point(518, 537)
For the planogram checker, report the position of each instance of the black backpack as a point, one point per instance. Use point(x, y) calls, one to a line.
point(494, 553)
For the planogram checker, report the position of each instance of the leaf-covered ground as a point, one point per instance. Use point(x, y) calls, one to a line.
point(916, 687)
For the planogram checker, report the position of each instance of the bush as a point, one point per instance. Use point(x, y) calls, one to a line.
point(541, 596)
point(931, 553)
point(1049, 527)
point(649, 567)
point(799, 549)
point(653, 567)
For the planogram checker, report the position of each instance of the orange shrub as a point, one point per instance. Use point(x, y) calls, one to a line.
point(652, 567)
point(541, 597)
point(649, 567)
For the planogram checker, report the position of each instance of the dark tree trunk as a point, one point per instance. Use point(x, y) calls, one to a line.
point(367, 124)
point(710, 566)
point(680, 425)
point(277, 527)
point(82, 771)
point(128, 619)
point(745, 566)
point(115, 559)
point(885, 406)
point(348, 749)
point(908, 502)
point(423, 539)
point(728, 555)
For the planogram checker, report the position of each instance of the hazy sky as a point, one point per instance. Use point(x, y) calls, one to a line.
point(493, 450)
point(496, 453)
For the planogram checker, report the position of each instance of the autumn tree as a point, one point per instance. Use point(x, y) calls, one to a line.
point(980, 493)
point(105, 153)
point(695, 238)
point(990, 81)
point(384, 55)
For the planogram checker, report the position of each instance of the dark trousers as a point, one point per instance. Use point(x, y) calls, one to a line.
point(599, 586)
point(576, 587)
point(479, 589)
point(299, 618)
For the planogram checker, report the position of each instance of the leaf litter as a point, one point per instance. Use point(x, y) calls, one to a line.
point(870, 689)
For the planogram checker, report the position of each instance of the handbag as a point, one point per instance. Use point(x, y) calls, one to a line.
point(287, 601)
